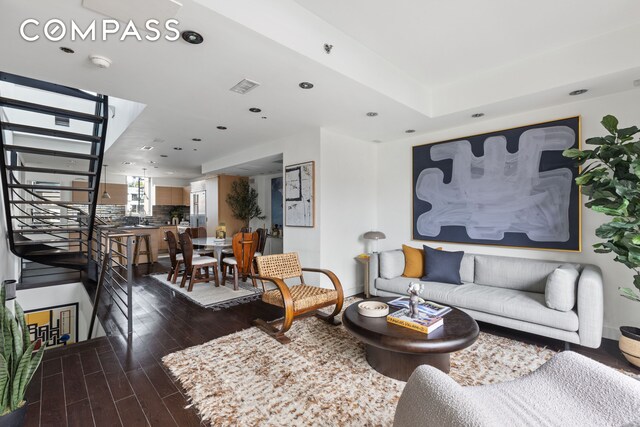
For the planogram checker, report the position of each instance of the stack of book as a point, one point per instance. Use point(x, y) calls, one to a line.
point(429, 319)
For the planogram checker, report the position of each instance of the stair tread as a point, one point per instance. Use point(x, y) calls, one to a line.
point(34, 130)
point(53, 111)
point(49, 87)
point(47, 152)
point(50, 171)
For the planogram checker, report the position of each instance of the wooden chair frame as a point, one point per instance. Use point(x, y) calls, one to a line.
point(244, 247)
point(290, 313)
point(198, 273)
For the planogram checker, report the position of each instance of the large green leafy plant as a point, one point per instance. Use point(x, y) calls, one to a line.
point(611, 180)
point(18, 361)
point(243, 201)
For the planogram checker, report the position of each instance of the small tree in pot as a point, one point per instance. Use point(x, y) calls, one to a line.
point(243, 201)
point(18, 362)
point(611, 181)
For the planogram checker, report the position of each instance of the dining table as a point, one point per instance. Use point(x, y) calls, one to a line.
point(217, 245)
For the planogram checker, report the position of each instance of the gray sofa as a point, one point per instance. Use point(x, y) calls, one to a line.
point(504, 291)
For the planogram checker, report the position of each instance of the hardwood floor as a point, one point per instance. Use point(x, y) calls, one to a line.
point(112, 381)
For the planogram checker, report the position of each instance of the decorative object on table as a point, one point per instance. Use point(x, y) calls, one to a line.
point(55, 326)
point(509, 188)
point(322, 355)
point(375, 236)
point(373, 309)
point(221, 231)
point(427, 308)
point(299, 195)
point(297, 300)
point(611, 181)
point(420, 323)
point(176, 213)
point(19, 359)
point(276, 200)
point(414, 299)
point(243, 201)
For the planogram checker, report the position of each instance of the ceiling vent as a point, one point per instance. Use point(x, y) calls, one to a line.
point(62, 121)
point(244, 86)
point(146, 148)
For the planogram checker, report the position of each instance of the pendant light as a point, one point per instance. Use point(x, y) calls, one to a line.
point(105, 194)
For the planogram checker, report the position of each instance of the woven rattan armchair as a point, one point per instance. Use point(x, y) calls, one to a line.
point(297, 300)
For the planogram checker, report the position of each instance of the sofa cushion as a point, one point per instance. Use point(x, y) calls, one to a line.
point(413, 262)
point(442, 266)
point(560, 292)
point(391, 264)
point(513, 273)
point(432, 291)
point(514, 304)
point(467, 268)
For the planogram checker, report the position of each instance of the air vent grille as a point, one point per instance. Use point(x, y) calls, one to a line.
point(244, 86)
point(62, 121)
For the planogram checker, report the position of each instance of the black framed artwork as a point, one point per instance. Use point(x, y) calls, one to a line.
point(511, 187)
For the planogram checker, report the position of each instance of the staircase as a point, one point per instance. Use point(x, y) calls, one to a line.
point(50, 219)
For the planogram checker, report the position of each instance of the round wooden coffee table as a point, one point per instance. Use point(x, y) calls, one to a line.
point(395, 351)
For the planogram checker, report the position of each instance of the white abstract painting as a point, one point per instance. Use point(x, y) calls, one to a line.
point(504, 195)
point(299, 195)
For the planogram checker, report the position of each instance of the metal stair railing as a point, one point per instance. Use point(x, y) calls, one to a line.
point(115, 275)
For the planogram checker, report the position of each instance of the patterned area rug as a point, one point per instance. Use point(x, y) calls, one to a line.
point(210, 296)
point(321, 378)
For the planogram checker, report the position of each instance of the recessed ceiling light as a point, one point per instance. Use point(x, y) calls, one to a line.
point(636, 83)
point(578, 92)
point(192, 37)
point(254, 110)
point(221, 127)
point(410, 131)
point(147, 148)
point(67, 49)
point(196, 139)
point(244, 86)
point(372, 114)
point(477, 115)
point(163, 155)
point(376, 140)
point(153, 162)
point(155, 167)
point(195, 149)
point(127, 163)
point(264, 117)
point(177, 148)
point(306, 85)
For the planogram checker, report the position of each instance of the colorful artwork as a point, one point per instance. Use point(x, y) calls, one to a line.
point(510, 188)
point(56, 326)
point(299, 195)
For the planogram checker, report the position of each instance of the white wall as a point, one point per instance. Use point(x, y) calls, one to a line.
point(348, 209)
point(395, 189)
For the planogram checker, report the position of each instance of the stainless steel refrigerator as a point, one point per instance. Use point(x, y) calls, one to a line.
point(198, 209)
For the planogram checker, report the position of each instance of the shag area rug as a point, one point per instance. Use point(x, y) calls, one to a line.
point(321, 378)
point(210, 296)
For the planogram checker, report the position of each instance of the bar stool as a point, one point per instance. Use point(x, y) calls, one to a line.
point(146, 238)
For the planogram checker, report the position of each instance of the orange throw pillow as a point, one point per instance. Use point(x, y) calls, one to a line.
point(413, 262)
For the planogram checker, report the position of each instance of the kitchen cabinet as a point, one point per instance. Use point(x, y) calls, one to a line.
point(186, 196)
point(169, 196)
point(118, 193)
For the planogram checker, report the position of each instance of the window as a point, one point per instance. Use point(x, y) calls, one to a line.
point(138, 201)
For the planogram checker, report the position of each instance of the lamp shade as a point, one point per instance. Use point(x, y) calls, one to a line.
point(106, 195)
point(374, 235)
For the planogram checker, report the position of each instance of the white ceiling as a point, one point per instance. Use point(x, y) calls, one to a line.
point(265, 166)
point(439, 42)
point(422, 65)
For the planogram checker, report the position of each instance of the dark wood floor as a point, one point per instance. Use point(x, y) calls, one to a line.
point(114, 381)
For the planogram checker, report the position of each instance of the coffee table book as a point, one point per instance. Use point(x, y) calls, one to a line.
point(423, 324)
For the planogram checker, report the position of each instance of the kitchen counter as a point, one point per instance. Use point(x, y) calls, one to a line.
point(155, 232)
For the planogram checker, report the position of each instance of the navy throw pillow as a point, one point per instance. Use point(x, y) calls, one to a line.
point(442, 266)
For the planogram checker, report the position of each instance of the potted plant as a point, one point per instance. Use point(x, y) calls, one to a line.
point(243, 201)
point(611, 181)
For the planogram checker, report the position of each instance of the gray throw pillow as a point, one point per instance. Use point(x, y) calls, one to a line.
point(560, 292)
point(391, 264)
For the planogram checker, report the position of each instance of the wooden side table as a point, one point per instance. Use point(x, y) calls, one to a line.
point(365, 264)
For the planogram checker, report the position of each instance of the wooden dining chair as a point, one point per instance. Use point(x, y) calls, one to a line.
point(175, 256)
point(196, 269)
point(244, 248)
point(297, 300)
point(197, 233)
point(262, 241)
